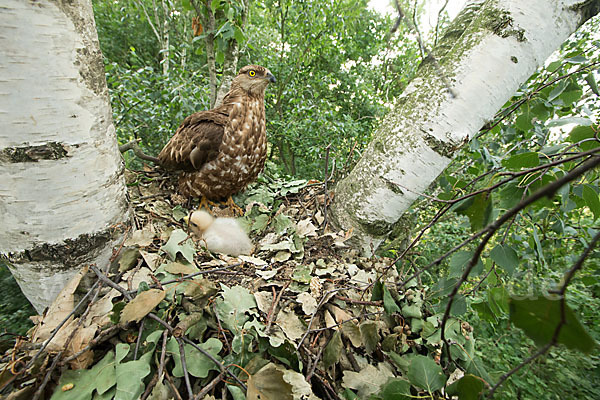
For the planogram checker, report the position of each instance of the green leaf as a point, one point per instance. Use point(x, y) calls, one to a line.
point(369, 336)
point(484, 311)
point(592, 200)
point(523, 122)
point(510, 196)
point(333, 350)
point(377, 291)
point(239, 36)
point(570, 97)
point(469, 387)
point(522, 160)
point(505, 257)
point(477, 208)
point(389, 304)
point(426, 374)
point(130, 375)
point(396, 389)
point(173, 246)
point(539, 318)
point(460, 260)
point(580, 133)
point(214, 4)
point(498, 300)
point(591, 80)
point(197, 364)
point(101, 378)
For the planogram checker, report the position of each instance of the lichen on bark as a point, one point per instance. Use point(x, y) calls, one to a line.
point(48, 151)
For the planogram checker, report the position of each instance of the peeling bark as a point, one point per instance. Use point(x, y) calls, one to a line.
point(490, 49)
point(62, 189)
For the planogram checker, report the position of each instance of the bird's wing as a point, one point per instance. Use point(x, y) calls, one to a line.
point(196, 141)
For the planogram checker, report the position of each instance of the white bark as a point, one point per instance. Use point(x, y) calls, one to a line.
point(61, 182)
point(505, 42)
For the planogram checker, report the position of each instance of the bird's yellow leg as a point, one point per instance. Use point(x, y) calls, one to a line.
point(206, 203)
point(234, 207)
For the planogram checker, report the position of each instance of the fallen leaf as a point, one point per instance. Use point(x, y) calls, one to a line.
point(60, 308)
point(179, 242)
point(264, 300)
point(266, 275)
point(309, 304)
point(141, 237)
point(305, 228)
point(177, 268)
point(139, 307)
point(291, 325)
point(253, 260)
point(281, 256)
point(151, 259)
point(368, 381)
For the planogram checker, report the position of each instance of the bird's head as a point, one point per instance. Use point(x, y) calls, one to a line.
point(199, 221)
point(254, 79)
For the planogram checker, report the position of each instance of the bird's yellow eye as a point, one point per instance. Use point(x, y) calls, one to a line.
point(251, 73)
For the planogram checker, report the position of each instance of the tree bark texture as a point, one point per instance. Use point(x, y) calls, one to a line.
point(62, 191)
point(490, 49)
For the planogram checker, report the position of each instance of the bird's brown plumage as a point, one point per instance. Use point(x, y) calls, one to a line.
point(222, 150)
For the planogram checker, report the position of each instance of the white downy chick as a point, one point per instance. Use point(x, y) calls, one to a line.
point(220, 235)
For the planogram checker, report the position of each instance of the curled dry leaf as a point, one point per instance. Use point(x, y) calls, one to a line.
point(309, 304)
point(139, 307)
point(141, 237)
point(58, 311)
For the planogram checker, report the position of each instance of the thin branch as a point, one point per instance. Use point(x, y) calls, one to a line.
point(567, 279)
point(490, 230)
point(184, 367)
point(133, 145)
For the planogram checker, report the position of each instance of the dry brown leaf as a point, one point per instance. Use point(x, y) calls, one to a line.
point(99, 314)
point(60, 308)
point(80, 340)
point(141, 237)
point(289, 322)
point(139, 307)
point(306, 228)
point(177, 268)
point(151, 259)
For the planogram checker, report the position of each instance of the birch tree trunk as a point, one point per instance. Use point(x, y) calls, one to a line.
point(491, 48)
point(62, 191)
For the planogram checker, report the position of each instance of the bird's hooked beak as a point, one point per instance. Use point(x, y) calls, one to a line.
point(271, 78)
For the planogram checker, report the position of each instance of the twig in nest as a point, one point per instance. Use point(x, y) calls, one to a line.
point(133, 145)
point(325, 186)
point(139, 339)
point(221, 330)
point(208, 387)
point(271, 315)
point(184, 366)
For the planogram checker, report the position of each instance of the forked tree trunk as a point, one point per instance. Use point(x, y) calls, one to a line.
point(62, 192)
point(491, 48)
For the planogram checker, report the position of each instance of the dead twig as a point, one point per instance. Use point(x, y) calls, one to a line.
point(133, 145)
point(276, 300)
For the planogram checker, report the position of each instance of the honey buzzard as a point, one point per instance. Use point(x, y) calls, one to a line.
point(222, 150)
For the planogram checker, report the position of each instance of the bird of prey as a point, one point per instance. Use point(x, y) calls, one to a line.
point(222, 150)
point(221, 235)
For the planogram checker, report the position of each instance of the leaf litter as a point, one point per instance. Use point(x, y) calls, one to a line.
point(303, 317)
